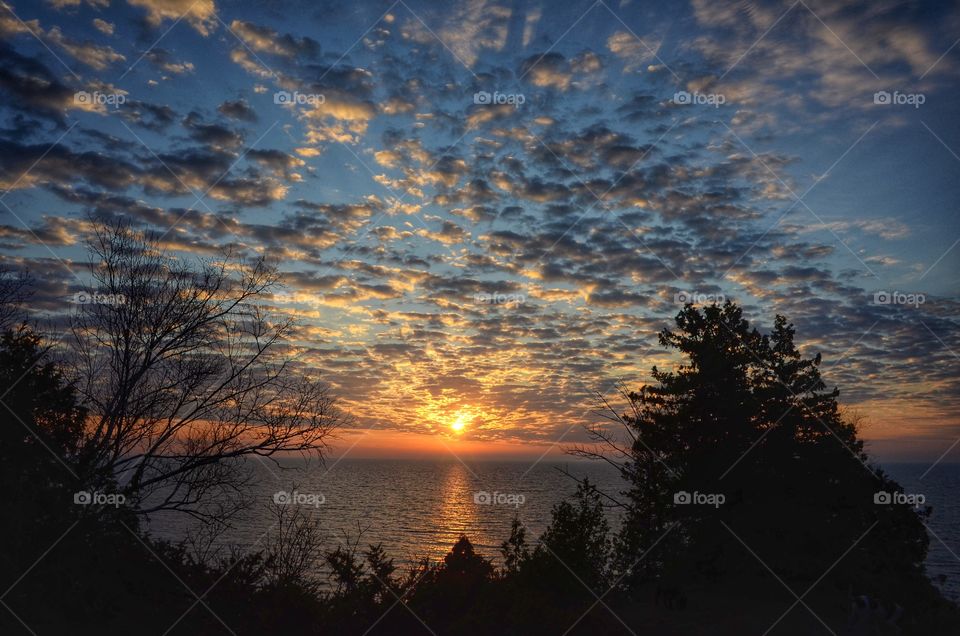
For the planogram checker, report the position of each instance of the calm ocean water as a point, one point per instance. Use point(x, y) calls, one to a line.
point(415, 508)
point(940, 487)
point(420, 508)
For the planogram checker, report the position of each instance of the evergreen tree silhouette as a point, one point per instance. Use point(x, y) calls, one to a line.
point(747, 420)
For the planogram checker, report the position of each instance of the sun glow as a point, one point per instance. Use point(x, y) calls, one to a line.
point(461, 421)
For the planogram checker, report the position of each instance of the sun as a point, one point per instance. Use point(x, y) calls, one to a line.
point(460, 422)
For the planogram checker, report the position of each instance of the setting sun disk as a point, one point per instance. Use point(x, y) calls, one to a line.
point(459, 423)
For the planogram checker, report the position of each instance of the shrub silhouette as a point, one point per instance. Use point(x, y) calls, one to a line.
point(568, 565)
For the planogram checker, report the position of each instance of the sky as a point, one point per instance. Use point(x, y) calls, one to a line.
point(485, 211)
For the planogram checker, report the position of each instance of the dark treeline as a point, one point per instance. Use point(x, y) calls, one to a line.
point(748, 502)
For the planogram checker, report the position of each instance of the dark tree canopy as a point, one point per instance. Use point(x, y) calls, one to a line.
point(747, 423)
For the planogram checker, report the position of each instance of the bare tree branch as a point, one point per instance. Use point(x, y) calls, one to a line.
point(180, 367)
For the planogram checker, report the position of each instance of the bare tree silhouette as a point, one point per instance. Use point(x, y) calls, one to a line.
point(183, 372)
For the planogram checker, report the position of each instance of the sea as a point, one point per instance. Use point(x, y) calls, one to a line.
point(419, 508)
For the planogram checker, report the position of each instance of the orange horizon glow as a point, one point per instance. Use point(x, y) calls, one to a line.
point(392, 444)
point(884, 436)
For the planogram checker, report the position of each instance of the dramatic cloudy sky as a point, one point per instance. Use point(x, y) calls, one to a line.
point(494, 263)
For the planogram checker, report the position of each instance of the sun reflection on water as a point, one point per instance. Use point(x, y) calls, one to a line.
point(457, 513)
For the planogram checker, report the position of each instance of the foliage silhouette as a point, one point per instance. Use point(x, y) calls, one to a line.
point(745, 415)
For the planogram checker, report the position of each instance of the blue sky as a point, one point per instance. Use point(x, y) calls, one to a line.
point(501, 261)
